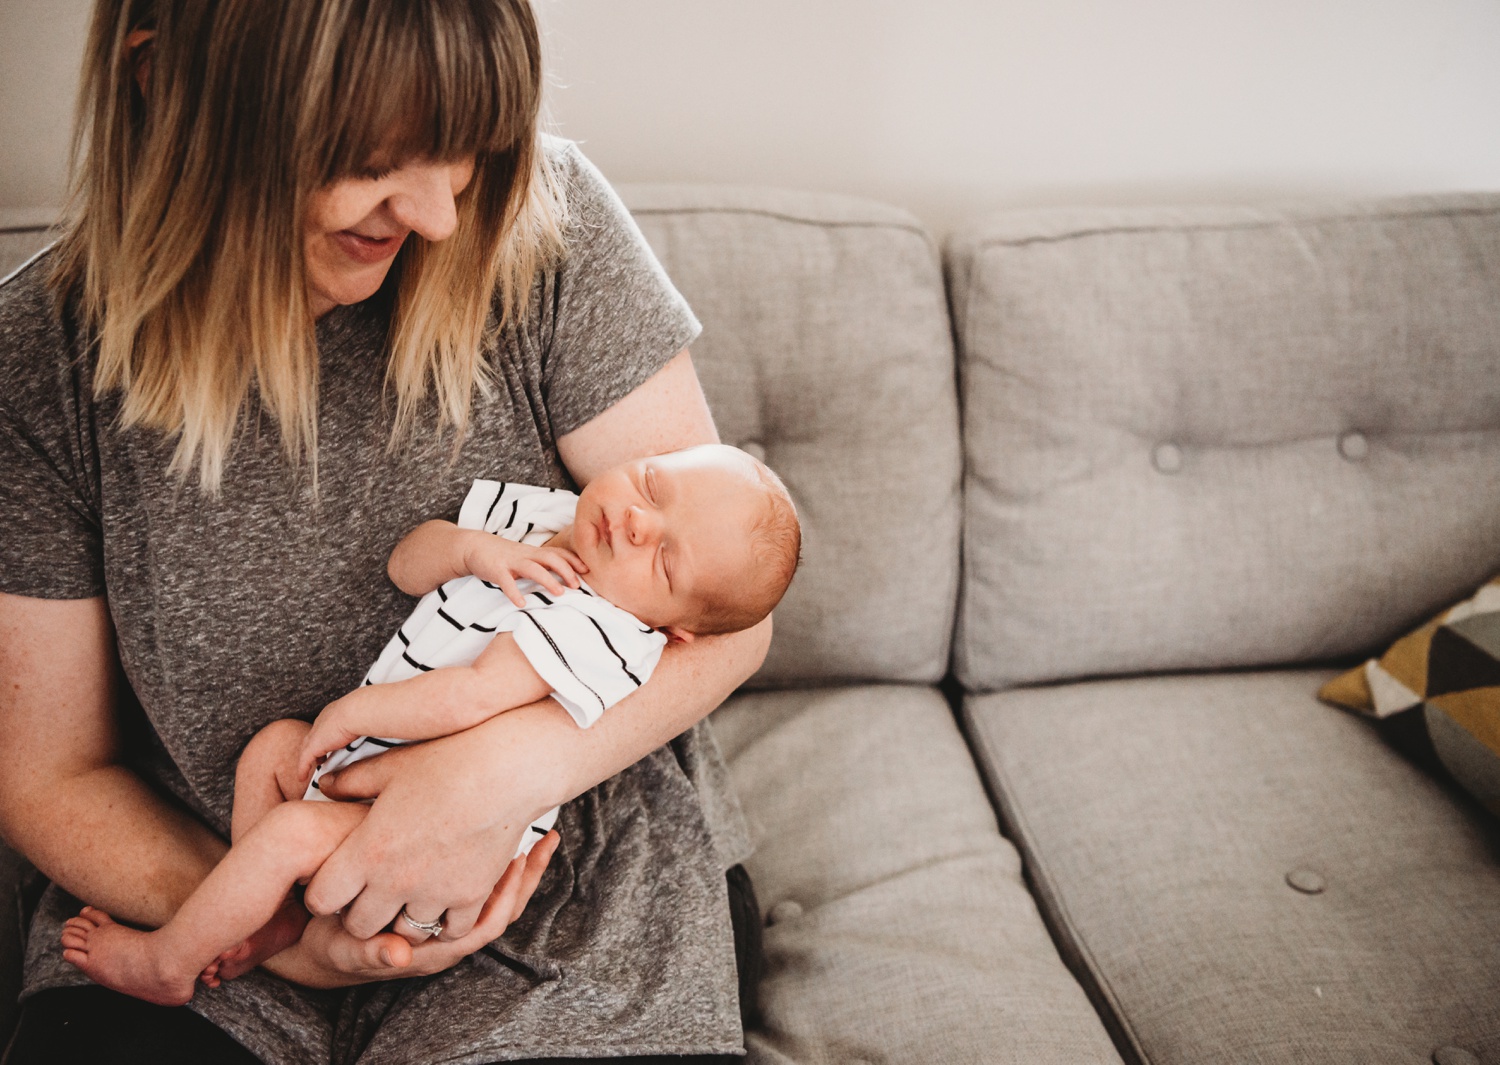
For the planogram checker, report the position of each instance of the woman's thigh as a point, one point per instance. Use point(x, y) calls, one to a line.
point(97, 1026)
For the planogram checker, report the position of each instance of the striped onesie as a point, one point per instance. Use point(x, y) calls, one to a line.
point(591, 652)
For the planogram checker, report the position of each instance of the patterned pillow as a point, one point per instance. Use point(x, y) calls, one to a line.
point(1436, 692)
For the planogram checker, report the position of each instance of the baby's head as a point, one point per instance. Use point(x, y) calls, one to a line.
point(694, 542)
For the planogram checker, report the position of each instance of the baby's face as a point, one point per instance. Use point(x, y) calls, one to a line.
point(659, 533)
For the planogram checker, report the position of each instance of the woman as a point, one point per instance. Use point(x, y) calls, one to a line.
point(321, 273)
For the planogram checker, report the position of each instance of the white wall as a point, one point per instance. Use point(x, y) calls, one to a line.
point(957, 106)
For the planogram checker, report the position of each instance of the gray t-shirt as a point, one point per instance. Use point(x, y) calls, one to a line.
point(264, 603)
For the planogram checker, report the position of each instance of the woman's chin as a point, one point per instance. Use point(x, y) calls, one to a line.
point(324, 298)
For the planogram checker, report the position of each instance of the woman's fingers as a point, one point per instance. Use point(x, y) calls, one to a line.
point(536, 864)
point(363, 780)
point(459, 921)
point(384, 951)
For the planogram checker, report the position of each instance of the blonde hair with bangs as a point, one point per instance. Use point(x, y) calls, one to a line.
point(183, 244)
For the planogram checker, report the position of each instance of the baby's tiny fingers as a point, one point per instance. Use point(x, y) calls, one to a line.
point(543, 576)
point(507, 585)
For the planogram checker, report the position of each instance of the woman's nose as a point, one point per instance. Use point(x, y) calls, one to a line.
point(426, 202)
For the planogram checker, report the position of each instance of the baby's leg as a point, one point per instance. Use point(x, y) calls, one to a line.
point(266, 775)
point(239, 897)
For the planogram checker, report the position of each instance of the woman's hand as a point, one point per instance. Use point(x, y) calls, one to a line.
point(328, 956)
point(448, 814)
point(446, 821)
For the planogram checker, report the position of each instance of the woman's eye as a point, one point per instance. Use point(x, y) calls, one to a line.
point(374, 173)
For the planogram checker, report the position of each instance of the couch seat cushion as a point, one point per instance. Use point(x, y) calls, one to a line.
point(1244, 876)
point(899, 925)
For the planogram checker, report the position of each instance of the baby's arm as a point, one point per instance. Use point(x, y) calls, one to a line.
point(437, 703)
point(436, 552)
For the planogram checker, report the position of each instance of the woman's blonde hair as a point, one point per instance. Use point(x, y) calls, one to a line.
point(183, 244)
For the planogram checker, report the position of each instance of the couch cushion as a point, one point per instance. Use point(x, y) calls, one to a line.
point(826, 345)
point(17, 244)
point(1246, 875)
point(1216, 437)
point(901, 929)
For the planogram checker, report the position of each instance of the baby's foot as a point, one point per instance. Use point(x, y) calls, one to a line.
point(122, 959)
point(280, 932)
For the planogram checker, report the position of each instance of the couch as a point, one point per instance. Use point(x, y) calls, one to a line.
point(1093, 502)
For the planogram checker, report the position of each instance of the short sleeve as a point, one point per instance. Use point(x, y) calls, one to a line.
point(591, 653)
point(53, 544)
point(616, 317)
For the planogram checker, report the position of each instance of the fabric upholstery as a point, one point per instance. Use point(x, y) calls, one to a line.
point(18, 245)
point(1438, 689)
point(900, 927)
point(826, 347)
point(1246, 876)
point(1214, 437)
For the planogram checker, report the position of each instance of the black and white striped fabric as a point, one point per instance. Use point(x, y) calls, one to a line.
point(591, 652)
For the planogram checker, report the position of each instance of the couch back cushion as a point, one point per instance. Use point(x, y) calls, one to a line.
point(1223, 436)
point(19, 243)
point(827, 349)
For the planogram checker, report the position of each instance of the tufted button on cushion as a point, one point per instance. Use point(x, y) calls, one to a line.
point(1454, 1056)
point(1353, 445)
point(1167, 458)
point(1306, 881)
point(783, 911)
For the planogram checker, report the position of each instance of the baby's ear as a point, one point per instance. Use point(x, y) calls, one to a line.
point(677, 634)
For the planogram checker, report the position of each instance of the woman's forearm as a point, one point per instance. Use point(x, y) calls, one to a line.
point(107, 838)
point(88, 823)
point(689, 682)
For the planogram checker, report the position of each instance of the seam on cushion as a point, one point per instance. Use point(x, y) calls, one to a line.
point(795, 219)
point(1055, 915)
point(1231, 227)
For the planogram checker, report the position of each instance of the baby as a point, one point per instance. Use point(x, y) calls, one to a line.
point(690, 543)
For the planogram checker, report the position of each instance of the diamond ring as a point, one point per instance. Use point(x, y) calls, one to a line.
point(432, 928)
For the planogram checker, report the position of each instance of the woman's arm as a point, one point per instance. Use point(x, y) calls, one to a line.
point(448, 814)
point(102, 834)
point(88, 823)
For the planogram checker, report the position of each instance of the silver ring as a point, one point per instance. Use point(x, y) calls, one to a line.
point(432, 928)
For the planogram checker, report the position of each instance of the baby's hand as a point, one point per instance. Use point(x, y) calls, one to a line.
point(501, 561)
point(328, 733)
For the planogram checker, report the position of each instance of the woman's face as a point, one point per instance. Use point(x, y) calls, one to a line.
point(355, 226)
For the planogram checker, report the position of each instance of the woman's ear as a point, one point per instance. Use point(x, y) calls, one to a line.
point(139, 44)
point(677, 634)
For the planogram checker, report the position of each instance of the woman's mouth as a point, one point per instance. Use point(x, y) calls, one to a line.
point(365, 249)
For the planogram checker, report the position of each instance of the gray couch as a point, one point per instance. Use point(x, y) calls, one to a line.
point(1035, 765)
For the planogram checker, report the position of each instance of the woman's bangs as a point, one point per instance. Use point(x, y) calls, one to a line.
point(439, 83)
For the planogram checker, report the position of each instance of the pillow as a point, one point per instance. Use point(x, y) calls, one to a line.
point(1436, 693)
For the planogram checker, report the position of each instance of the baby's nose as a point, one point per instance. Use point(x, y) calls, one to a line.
point(642, 525)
